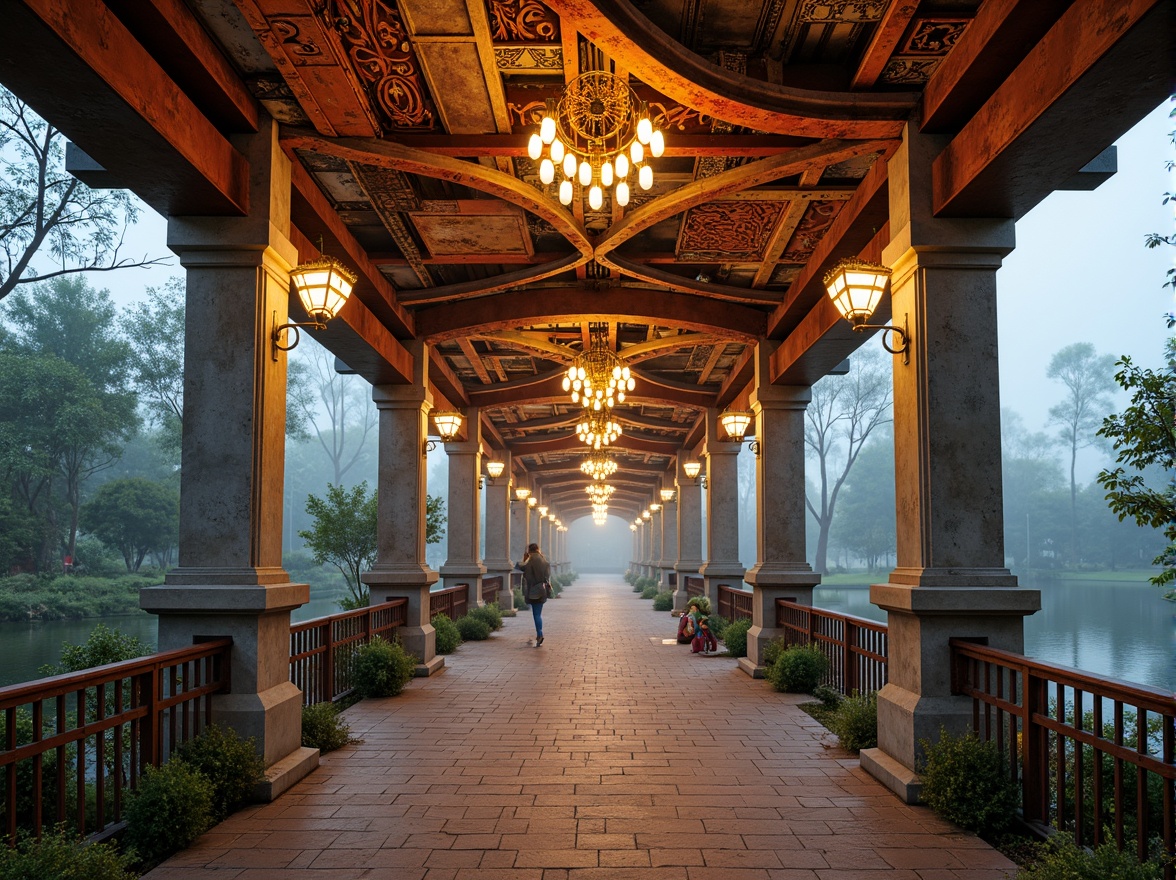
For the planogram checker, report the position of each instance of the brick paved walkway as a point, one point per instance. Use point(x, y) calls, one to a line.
point(602, 755)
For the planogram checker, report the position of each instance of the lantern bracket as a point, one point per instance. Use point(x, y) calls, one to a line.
point(276, 336)
point(903, 345)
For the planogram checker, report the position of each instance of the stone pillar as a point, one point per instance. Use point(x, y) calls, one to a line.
point(519, 514)
point(499, 519)
point(689, 532)
point(464, 511)
point(655, 543)
point(400, 570)
point(669, 542)
point(950, 580)
point(230, 580)
point(646, 545)
point(634, 550)
point(780, 571)
point(722, 512)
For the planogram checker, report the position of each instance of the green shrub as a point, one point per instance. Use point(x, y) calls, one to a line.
point(829, 697)
point(966, 781)
point(230, 763)
point(855, 722)
point(103, 645)
point(59, 856)
point(172, 807)
point(650, 593)
point(448, 635)
point(519, 601)
point(718, 626)
point(735, 637)
point(702, 602)
point(630, 577)
point(773, 650)
point(643, 583)
point(490, 615)
point(1062, 859)
point(663, 602)
point(798, 669)
point(472, 629)
point(324, 728)
point(381, 668)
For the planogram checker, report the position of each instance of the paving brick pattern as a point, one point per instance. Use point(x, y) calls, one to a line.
point(601, 755)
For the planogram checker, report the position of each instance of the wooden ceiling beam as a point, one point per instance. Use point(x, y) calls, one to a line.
point(619, 29)
point(80, 68)
point(475, 359)
point(569, 442)
point(521, 308)
point(1107, 63)
point(550, 391)
point(887, 34)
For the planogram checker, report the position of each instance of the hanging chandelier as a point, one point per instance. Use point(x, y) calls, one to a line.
point(596, 134)
point(598, 377)
point(598, 466)
point(597, 429)
point(600, 492)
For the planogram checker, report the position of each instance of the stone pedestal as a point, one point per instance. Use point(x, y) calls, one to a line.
point(400, 570)
point(950, 580)
point(230, 580)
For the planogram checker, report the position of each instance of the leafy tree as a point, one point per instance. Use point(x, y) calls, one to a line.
point(135, 515)
point(843, 413)
point(46, 210)
point(1144, 435)
point(102, 646)
point(865, 521)
point(344, 533)
point(1087, 378)
point(18, 536)
point(155, 331)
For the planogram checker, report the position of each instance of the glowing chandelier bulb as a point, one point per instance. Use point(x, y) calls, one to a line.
point(622, 193)
point(557, 151)
point(644, 130)
point(606, 174)
point(595, 198)
point(569, 165)
point(565, 192)
point(547, 129)
point(535, 147)
point(546, 171)
point(645, 177)
point(657, 144)
point(585, 173)
point(621, 166)
point(636, 152)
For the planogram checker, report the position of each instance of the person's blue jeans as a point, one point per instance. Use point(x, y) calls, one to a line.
point(537, 613)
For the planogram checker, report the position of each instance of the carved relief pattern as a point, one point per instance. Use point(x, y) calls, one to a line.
point(812, 228)
point(522, 115)
point(378, 47)
point(841, 11)
point(728, 230)
point(676, 116)
point(934, 36)
point(522, 21)
point(302, 50)
point(520, 59)
point(709, 166)
point(909, 71)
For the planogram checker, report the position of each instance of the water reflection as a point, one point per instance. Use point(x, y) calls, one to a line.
point(1119, 630)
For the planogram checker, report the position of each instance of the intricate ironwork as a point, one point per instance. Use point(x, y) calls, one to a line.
point(522, 21)
point(598, 377)
point(597, 429)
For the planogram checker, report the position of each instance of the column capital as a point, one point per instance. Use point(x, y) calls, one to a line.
point(781, 397)
point(402, 397)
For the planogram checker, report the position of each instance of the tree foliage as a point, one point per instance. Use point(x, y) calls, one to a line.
point(134, 515)
point(48, 214)
point(155, 331)
point(330, 406)
point(1144, 435)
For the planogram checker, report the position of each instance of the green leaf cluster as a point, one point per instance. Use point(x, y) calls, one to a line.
point(966, 780)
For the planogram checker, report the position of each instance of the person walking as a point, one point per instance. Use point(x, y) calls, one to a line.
point(536, 575)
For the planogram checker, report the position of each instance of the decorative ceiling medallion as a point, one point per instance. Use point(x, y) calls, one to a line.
point(841, 11)
point(378, 47)
point(740, 229)
point(522, 21)
point(933, 36)
point(817, 219)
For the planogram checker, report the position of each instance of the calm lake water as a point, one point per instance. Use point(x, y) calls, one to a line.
point(1121, 630)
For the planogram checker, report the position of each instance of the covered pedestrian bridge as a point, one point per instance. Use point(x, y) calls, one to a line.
point(406, 139)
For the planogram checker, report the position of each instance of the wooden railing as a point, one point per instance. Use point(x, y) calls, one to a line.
point(1092, 755)
point(694, 586)
point(72, 746)
point(322, 651)
point(453, 602)
point(734, 604)
point(491, 587)
point(856, 647)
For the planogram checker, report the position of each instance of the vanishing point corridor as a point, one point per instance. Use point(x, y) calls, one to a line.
point(605, 754)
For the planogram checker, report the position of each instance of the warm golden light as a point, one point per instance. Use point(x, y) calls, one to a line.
point(543, 510)
point(522, 493)
point(667, 495)
point(655, 507)
point(448, 423)
point(691, 469)
point(735, 423)
point(495, 469)
point(323, 286)
point(532, 501)
point(856, 288)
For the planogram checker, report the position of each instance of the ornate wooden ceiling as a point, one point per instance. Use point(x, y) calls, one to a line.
point(407, 121)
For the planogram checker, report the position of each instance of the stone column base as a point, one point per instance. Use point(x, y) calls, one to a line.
point(713, 574)
point(768, 585)
point(680, 591)
point(417, 636)
point(283, 775)
point(901, 780)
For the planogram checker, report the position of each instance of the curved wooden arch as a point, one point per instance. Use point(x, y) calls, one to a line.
point(623, 33)
point(550, 391)
point(569, 442)
point(387, 154)
point(514, 309)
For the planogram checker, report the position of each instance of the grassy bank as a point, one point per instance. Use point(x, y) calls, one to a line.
point(65, 597)
point(1119, 576)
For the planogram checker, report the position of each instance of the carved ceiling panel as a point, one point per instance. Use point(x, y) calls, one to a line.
point(457, 228)
point(522, 21)
point(817, 219)
point(729, 230)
